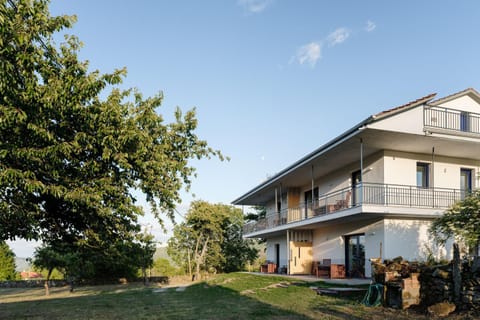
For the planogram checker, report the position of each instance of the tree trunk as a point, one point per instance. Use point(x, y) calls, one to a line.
point(145, 278)
point(456, 274)
point(189, 263)
point(47, 289)
point(199, 258)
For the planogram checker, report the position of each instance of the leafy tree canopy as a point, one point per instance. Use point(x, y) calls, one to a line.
point(7, 263)
point(211, 237)
point(461, 221)
point(122, 260)
point(74, 145)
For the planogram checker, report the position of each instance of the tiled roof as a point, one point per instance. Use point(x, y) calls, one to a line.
point(404, 107)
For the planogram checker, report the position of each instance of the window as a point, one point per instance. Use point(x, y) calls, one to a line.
point(464, 121)
point(423, 170)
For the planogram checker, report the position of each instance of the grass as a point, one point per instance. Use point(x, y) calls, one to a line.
point(230, 296)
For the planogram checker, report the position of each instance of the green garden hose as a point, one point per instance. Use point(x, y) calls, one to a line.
point(374, 295)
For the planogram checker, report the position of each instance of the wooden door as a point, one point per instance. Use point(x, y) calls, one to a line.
point(300, 257)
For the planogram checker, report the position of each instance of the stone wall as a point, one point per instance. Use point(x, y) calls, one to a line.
point(32, 283)
point(436, 283)
point(61, 283)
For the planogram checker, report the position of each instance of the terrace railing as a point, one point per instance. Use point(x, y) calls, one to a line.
point(451, 119)
point(363, 194)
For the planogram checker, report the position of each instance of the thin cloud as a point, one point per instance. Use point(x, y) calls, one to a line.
point(338, 36)
point(370, 26)
point(254, 6)
point(309, 54)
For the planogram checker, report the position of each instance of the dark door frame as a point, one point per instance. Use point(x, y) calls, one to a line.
point(277, 256)
point(347, 255)
point(356, 180)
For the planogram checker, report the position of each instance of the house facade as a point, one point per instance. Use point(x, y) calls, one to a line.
point(373, 191)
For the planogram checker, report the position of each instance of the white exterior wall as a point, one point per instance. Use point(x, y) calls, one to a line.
point(329, 242)
point(464, 103)
point(400, 168)
point(271, 206)
point(271, 255)
point(410, 121)
point(340, 179)
point(411, 240)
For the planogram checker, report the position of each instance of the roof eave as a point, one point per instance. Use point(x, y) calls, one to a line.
point(309, 157)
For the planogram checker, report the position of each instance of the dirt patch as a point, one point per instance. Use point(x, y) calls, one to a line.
point(278, 285)
point(247, 292)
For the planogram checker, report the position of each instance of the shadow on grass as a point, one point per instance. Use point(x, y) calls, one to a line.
point(229, 296)
point(198, 301)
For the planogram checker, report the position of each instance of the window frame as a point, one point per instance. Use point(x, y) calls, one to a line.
point(425, 183)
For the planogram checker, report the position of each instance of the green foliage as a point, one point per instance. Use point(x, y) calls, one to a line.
point(260, 213)
point(55, 274)
point(236, 250)
point(461, 221)
point(72, 155)
point(7, 263)
point(163, 267)
point(211, 237)
point(122, 260)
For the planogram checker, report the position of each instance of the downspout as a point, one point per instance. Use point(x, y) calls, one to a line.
point(313, 194)
point(281, 194)
point(276, 201)
point(288, 252)
point(361, 171)
point(433, 177)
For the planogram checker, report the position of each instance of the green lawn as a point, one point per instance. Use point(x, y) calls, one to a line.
point(231, 296)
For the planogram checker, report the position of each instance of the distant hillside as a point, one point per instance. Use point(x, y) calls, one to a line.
point(22, 264)
point(162, 253)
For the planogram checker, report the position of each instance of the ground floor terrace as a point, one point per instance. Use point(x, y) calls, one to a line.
point(343, 249)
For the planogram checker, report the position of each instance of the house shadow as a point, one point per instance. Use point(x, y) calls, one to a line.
point(197, 301)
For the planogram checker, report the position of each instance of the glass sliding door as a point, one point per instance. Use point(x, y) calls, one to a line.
point(355, 255)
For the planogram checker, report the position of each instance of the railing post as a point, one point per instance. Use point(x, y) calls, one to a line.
point(410, 196)
point(386, 194)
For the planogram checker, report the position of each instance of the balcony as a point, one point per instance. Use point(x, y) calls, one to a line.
point(444, 119)
point(364, 194)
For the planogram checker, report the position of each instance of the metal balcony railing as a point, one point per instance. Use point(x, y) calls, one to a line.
point(451, 119)
point(363, 194)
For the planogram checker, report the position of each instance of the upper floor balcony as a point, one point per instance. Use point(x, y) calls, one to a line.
point(387, 195)
point(445, 119)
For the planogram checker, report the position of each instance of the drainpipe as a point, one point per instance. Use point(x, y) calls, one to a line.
point(313, 194)
point(433, 176)
point(276, 201)
point(281, 194)
point(361, 171)
point(288, 252)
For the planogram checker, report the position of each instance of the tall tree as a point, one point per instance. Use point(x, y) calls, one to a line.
point(461, 222)
point(236, 250)
point(72, 154)
point(7, 262)
point(78, 263)
point(211, 237)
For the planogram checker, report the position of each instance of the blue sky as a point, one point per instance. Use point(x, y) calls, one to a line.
point(271, 79)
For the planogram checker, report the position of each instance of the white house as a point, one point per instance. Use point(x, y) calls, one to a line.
point(374, 190)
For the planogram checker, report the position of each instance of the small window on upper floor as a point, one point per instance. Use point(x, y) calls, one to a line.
point(423, 173)
point(464, 121)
